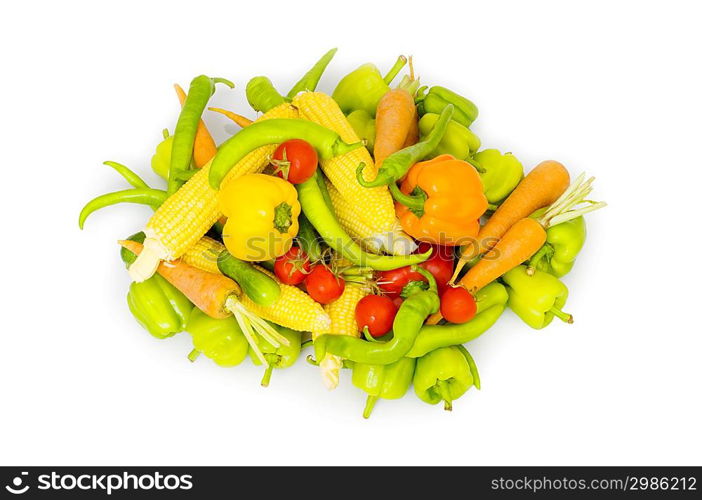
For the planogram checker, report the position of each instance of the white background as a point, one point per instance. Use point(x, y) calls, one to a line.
point(612, 88)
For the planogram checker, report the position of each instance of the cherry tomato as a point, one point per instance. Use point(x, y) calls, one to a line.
point(376, 312)
point(295, 161)
point(458, 305)
point(440, 264)
point(323, 285)
point(292, 267)
point(394, 282)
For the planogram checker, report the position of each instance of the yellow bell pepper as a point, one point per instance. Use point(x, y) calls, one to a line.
point(262, 212)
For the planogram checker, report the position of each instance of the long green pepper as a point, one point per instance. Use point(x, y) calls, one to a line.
point(491, 301)
point(315, 207)
point(397, 164)
point(201, 89)
point(406, 327)
point(276, 131)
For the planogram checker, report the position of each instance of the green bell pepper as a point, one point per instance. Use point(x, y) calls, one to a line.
point(363, 87)
point(563, 243)
point(161, 160)
point(445, 374)
point(439, 97)
point(364, 126)
point(383, 381)
point(221, 340)
point(458, 141)
point(157, 305)
point(491, 301)
point(500, 173)
point(536, 297)
point(277, 358)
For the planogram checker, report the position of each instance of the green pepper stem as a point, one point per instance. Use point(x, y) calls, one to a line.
point(267, 376)
point(194, 354)
point(396, 68)
point(341, 148)
point(228, 83)
point(445, 393)
point(310, 359)
point(282, 220)
point(568, 318)
point(414, 202)
point(370, 404)
point(165, 133)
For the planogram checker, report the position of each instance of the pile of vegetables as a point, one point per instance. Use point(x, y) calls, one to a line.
point(367, 224)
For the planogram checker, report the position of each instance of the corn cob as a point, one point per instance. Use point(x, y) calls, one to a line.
point(343, 322)
point(294, 309)
point(187, 214)
point(204, 254)
point(376, 207)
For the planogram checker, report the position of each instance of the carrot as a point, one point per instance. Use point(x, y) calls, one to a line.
point(396, 118)
point(205, 147)
point(525, 237)
point(208, 291)
point(413, 134)
point(541, 187)
point(240, 120)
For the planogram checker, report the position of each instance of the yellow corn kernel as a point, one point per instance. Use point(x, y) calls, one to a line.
point(376, 207)
point(342, 313)
point(204, 254)
point(189, 212)
point(352, 223)
point(293, 309)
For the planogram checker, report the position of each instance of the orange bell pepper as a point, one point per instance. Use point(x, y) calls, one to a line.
point(441, 201)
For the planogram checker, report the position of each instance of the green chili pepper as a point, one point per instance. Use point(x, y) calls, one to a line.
point(143, 196)
point(491, 301)
point(397, 164)
point(563, 243)
point(161, 160)
point(312, 199)
point(383, 381)
point(440, 97)
point(408, 321)
point(275, 131)
point(364, 126)
point(129, 175)
point(310, 80)
point(445, 375)
point(201, 89)
point(281, 357)
point(308, 239)
point(537, 297)
point(500, 173)
point(221, 340)
point(363, 87)
point(458, 141)
point(262, 95)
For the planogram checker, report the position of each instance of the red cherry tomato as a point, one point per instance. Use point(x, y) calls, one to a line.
point(292, 267)
point(458, 305)
point(394, 282)
point(376, 312)
point(323, 285)
point(439, 264)
point(295, 161)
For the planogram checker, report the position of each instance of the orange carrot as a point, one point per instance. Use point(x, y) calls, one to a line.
point(541, 187)
point(208, 291)
point(520, 242)
point(396, 118)
point(413, 134)
point(205, 147)
point(240, 120)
